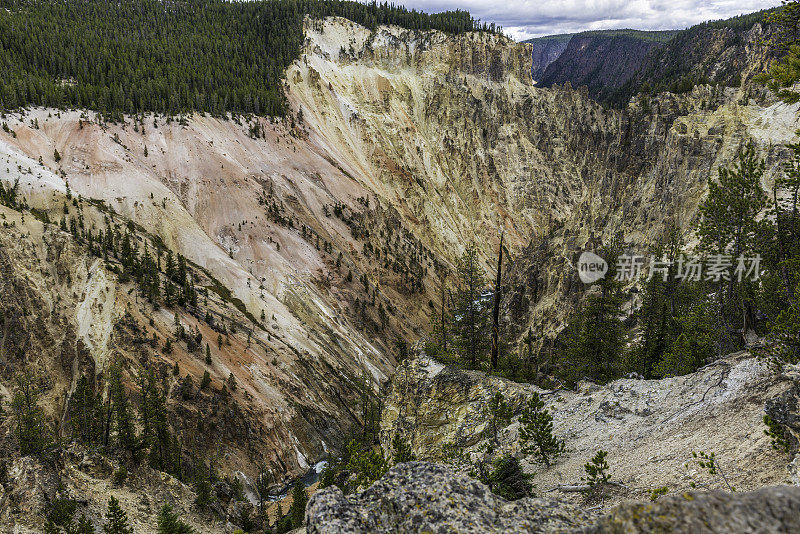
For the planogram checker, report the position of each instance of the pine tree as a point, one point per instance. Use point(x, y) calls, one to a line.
point(116, 519)
point(84, 526)
point(536, 432)
point(297, 510)
point(470, 313)
point(597, 470)
point(202, 487)
point(508, 480)
point(170, 523)
point(401, 450)
point(660, 305)
point(729, 225)
point(496, 309)
point(498, 414)
point(32, 431)
point(123, 418)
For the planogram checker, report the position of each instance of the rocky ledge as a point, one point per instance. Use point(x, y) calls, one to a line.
point(426, 497)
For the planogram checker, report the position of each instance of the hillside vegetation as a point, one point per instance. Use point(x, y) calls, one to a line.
point(149, 56)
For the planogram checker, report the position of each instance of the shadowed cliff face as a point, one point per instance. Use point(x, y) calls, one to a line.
point(602, 63)
point(545, 50)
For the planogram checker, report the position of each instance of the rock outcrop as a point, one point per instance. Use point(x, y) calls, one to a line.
point(771, 510)
point(424, 497)
point(719, 408)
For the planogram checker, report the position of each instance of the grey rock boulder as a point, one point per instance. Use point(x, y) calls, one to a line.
point(425, 497)
point(771, 510)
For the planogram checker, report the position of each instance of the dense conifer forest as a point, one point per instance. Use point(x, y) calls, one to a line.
point(131, 56)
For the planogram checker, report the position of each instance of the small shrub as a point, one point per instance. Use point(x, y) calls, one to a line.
point(120, 476)
point(597, 470)
point(777, 435)
point(508, 480)
point(709, 463)
point(655, 493)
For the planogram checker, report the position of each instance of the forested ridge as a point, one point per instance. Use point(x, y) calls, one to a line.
point(131, 56)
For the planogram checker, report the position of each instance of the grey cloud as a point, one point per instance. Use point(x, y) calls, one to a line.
point(523, 19)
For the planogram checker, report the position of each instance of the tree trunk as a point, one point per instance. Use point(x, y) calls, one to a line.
point(496, 312)
point(782, 246)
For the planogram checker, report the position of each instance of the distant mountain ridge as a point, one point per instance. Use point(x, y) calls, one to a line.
point(549, 48)
point(616, 64)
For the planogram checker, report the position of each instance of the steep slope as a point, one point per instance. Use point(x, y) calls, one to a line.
point(602, 61)
point(650, 428)
point(728, 53)
point(545, 50)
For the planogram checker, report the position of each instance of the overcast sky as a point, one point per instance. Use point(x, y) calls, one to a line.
point(523, 19)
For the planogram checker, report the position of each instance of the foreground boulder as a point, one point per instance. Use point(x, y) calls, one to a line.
point(424, 497)
point(768, 510)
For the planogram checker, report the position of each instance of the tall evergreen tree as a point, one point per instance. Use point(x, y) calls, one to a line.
point(729, 225)
point(297, 510)
point(86, 412)
point(123, 416)
point(658, 315)
point(31, 429)
point(116, 519)
point(470, 311)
